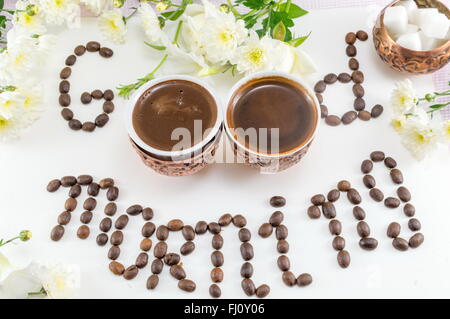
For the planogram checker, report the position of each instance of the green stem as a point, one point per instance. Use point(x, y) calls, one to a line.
point(177, 32)
point(3, 243)
point(233, 9)
point(41, 292)
point(131, 14)
point(441, 106)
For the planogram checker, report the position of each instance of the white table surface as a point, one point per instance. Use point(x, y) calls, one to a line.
point(50, 150)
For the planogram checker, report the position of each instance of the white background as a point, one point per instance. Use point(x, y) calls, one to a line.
point(51, 150)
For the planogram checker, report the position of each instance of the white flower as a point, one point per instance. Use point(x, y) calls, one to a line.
point(32, 103)
point(150, 23)
point(161, 6)
point(10, 104)
point(96, 6)
point(446, 131)
point(403, 97)
point(303, 64)
point(4, 262)
point(112, 25)
point(33, 24)
point(189, 63)
point(419, 138)
point(399, 122)
point(57, 12)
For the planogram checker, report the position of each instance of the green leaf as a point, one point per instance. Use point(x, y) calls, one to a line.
point(253, 4)
point(279, 31)
point(438, 106)
point(172, 15)
point(299, 41)
point(250, 21)
point(2, 4)
point(156, 47)
point(294, 10)
point(3, 21)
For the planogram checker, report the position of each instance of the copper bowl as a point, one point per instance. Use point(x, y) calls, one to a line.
point(405, 60)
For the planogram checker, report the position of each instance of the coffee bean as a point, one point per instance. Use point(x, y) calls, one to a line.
point(53, 185)
point(368, 243)
point(90, 204)
point(108, 95)
point(121, 222)
point(400, 244)
point(68, 181)
point(404, 194)
point(332, 120)
point(70, 60)
point(330, 78)
point(319, 98)
point(147, 213)
point(201, 227)
point(64, 86)
point(105, 224)
point(97, 94)
point(65, 73)
point(106, 52)
point(323, 111)
point(142, 260)
point(225, 220)
point(363, 229)
point(101, 120)
point(247, 270)
point(214, 291)
point(152, 281)
point(393, 230)
point(112, 194)
point(344, 186)
point(64, 99)
point(217, 241)
point(283, 263)
point(314, 212)
point(116, 268)
point(318, 200)
point(353, 196)
point(93, 189)
point(304, 280)
point(359, 213)
point(175, 225)
point(172, 259)
point(160, 249)
point(362, 35)
point(71, 204)
point(57, 233)
point(86, 217)
point(86, 98)
point(134, 210)
point(344, 78)
point(320, 87)
point(282, 246)
point(277, 201)
point(106, 183)
point(75, 125)
point(276, 218)
point(369, 181)
point(148, 229)
point(116, 238)
point(131, 272)
point(414, 224)
point(416, 240)
point(64, 218)
point(162, 233)
point(262, 291)
point(216, 275)
point(217, 258)
point(335, 227)
point(338, 243)
point(351, 50)
point(80, 50)
point(110, 209)
point(281, 232)
point(108, 107)
point(157, 266)
point(376, 111)
point(333, 195)
point(390, 162)
point(392, 202)
point(239, 221)
point(359, 104)
point(364, 115)
point(328, 210)
point(358, 77)
point(289, 278)
point(265, 230)
point(83, 232)
point(114, 252)
point(348, 117)
point(377, 156)
point(93, 46)
point(248, 286)
point(366, 166)
point(188, 232)
point(409, 210)
point(343, 258)
point(244, 235)
point(75, 191)
point(146, 244)
point(214, 228)
point(177, 272)
point(350, 38)
point(353, 64)
point(247, 251)
point(102, 239)
point(186, 285)
point(376, 194)
point(88, 126)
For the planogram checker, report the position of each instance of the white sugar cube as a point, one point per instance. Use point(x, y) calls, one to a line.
point(410, 5)
point(421, 15)
point(396, 19)
point(411, 28)
point(435, 25)
point(410, 41)
point(428, 43)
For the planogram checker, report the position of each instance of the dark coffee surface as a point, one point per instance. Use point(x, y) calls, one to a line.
point(170, 105)
point(273, 102)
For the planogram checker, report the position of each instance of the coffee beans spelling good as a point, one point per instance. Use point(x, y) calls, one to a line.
point(344, 78)
point(343, 258)
point(97, 94)
point(390, 162)
point(64, 86)
point(359, 104)
point(88, 127)
point(323, 111)
point(366, 166)
point(350, 38)
point(330, 78)
point(68, 181)
point(106, 52)
point(369, 181)
point(358, 77)
point(53, 185)
point(377, 156)
point(70, 60)
point(351, 50)
point(93, 189)
point(376, 111)
point(344, 186)
point(162, 232)
point(171, 259)
point(362, 35)
point(332, 120)
point(353, 64)
point(239, 221)
point(57, 233)
point(363, 229)
point(320, 87)
point(75, 125)
point(277, 201)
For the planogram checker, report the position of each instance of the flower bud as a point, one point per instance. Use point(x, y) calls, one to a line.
point(118, 3)
point(162, 6)
point(32, 9)
point(429, 97)
point(25, 235)
point(224, 8)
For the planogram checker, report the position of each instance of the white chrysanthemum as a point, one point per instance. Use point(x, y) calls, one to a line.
point(96, 6)
point(446, 131)
point(11, 103)
point(150, 23)
point(112, 26)
point(403, 97)
point(9, 129)
point(32, 103)
point(33, 24)
point(303, 63)
point(4, 262)
point(255, 55)
point(419, 138)
point(399, 122)
point(57, 12)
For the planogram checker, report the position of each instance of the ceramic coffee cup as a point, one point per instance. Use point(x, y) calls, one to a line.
point(176, 162)
point(270, 162)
